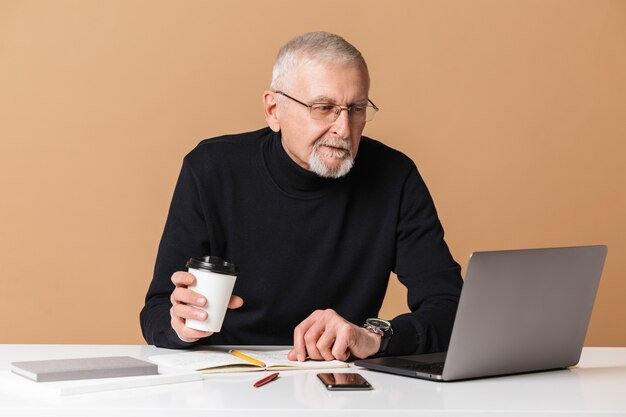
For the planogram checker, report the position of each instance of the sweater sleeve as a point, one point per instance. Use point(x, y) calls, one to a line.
point(425, 266)
point(185, 235)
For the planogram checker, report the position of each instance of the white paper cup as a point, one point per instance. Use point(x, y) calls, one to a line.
point(215, 280)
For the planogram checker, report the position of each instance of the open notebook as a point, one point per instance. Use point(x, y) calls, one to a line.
point(214, 360)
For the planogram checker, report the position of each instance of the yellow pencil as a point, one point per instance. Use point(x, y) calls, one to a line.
point(246, 357)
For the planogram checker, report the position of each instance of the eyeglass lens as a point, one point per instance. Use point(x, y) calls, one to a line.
point(331, 112)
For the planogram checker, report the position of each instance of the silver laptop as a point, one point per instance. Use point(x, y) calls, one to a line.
point(519, 311)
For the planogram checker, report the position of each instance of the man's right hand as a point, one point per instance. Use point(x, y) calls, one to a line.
point(184, 306)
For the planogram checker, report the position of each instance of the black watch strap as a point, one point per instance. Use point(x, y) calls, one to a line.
point(380, 327)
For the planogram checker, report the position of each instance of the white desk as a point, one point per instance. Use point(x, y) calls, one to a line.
point(597, 386)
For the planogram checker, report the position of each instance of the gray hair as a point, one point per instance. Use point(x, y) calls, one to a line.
point(322, 47)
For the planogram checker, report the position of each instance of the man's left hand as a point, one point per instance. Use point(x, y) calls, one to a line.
point(325, 335)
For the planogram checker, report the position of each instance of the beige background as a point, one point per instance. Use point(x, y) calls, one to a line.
point(514, 112)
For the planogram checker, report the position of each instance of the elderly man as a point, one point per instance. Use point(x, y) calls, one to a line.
point(315, 216)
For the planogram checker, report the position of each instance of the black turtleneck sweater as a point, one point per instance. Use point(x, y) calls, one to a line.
point(303, 242)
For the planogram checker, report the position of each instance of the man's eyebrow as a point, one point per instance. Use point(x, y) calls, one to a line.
point(326, 99)
point(322, 99)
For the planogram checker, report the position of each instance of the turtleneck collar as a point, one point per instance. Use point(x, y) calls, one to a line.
point(291, 177)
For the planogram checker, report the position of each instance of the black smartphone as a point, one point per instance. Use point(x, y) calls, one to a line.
point(344, 381)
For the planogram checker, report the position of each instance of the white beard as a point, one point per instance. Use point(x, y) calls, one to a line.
point(316, 160)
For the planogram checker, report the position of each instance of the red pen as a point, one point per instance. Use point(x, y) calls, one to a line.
point(265, 380)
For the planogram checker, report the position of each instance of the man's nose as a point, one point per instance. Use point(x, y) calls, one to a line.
point(341, 126)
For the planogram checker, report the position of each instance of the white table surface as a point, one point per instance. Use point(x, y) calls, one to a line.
point(596, 386)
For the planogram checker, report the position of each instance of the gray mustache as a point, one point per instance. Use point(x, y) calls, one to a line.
point(335, 143)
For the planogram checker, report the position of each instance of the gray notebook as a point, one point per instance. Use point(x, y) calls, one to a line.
point(83, 368)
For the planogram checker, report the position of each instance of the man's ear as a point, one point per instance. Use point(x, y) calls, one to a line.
point(270, 107)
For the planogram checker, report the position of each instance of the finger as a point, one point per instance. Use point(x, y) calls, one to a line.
point(235, 302)
point(188, 312)
point(333, 343)
point(298, 353)
point(178, 324)
point(311, 338)
point(344, 339)
point(187, 296)
point(182, 278)
point(325, 344)
point(299, 347)
point(192, 334)
point(185, 333)
point(321, 335)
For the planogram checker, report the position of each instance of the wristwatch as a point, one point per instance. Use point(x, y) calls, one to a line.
point(380, 327)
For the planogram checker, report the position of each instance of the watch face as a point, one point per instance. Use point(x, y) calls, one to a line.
point(380, 323)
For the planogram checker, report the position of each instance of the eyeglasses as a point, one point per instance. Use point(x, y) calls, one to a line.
point(329, 112)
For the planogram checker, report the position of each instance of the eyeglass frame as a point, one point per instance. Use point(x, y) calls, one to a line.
point(336, 106)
